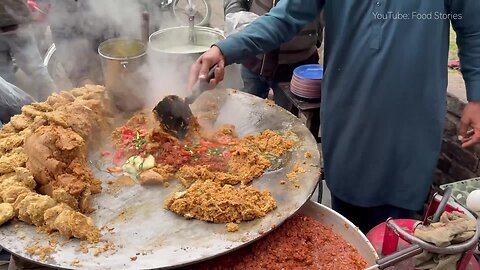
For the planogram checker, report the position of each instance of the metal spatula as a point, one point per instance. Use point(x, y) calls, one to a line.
point(174, 112)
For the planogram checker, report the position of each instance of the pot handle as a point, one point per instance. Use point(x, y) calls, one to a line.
point(124, 65)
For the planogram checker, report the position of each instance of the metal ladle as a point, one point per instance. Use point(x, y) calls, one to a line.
point(174, 113)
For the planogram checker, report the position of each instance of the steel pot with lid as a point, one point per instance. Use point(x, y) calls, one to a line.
point(122, 60)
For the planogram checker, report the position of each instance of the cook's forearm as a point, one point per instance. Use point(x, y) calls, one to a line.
point(232, 6)
point(468, 39)
point(271, 30)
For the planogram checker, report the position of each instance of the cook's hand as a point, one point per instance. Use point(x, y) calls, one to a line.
point(469, 132)
point(199, 70)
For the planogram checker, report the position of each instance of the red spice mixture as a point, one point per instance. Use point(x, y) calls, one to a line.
point(133, 138)
point(300, 243)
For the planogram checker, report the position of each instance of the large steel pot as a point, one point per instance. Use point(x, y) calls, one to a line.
point(169, 50)
point(122, 60)
point(174, 41)
point(171, 46)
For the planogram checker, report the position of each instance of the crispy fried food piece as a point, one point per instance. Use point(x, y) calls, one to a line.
point(247, 164)
point(21, 121)
point(56, 157)
point(38, 121)
point(31, 111)
point(269, 142)
point(11, 193)
point(156, 175)
point(210, 201)
point(190, 174)
point(20, 199)
point(57, 161)
point(21, 177)
point(58, 99)
point(42, 106)
point(11, 160)
point(8, 128)
point(50, 149)
point(84, 202)
point(61, 196)
point(70, 223)
point(232, 227)
point(79, 168)
point(32, 208)
point(13, 141)
point(25, 177)
point(81, 116)
point(6, 213)
point(96, 92)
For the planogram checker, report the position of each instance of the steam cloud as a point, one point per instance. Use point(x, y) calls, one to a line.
point(123, 18)
point(161, 75)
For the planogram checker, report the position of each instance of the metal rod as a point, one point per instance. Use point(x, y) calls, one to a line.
point(191, 11)
point(452, 249)
point(441, 206)
point(395, 258)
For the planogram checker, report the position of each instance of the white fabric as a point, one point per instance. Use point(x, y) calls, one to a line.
point(235, 22)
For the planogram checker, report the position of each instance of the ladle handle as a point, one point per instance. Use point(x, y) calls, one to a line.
point(202, 85)
point(205, 84)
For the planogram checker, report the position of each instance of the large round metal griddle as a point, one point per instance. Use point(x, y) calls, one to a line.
point(140, 226)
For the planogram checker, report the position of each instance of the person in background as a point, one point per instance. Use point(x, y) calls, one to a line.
point(77, 32)
point(383, 93)
point(17, 42)
point(262, 72)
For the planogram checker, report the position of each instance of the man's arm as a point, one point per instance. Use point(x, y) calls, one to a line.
point(468, 41)
point(268, 32)
point(232, 6)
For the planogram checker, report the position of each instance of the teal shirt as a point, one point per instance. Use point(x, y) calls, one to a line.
point(384, 87)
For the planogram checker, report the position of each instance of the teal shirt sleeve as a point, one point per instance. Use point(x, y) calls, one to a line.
point(468, 40)
point(268, 32)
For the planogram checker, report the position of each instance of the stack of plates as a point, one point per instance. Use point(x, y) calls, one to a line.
point(306, 81)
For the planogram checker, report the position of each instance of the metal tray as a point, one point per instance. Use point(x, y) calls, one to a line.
point(461, 189)
point(161, 239)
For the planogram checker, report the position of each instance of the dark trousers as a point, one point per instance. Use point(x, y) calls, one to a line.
point(366, 218)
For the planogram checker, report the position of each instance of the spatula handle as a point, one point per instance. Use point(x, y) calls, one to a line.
point(201, 86)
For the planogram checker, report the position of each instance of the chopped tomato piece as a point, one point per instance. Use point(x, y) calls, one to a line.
point(207, 144)
point(118, 157)
point(226, 154)
point(200, 150)
point(127, 131)
point(185, 152)
point(224, 140)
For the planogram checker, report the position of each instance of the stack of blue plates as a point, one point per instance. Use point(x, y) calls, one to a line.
point(307, 81)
